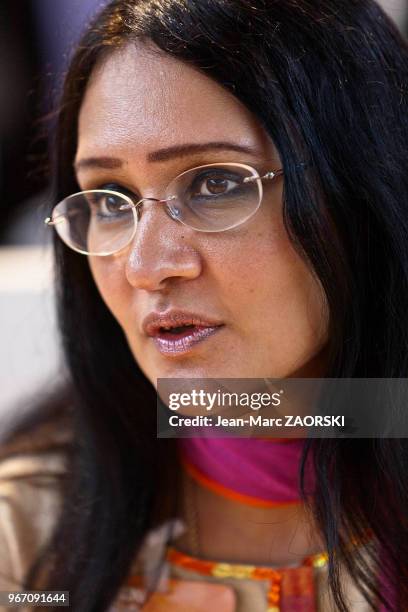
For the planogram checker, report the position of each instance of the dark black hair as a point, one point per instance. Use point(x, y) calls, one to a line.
point(329, 82)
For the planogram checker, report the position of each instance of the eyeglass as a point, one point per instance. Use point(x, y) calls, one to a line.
point(210, 198)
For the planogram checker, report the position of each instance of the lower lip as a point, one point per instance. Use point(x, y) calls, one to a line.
point(176, 344)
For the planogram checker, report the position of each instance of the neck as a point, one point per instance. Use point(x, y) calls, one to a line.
point(221, 529)
point(242, 502)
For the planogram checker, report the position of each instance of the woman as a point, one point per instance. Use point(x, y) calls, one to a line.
point(305, 276)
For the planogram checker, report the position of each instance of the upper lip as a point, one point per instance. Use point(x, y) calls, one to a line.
point(154, 321)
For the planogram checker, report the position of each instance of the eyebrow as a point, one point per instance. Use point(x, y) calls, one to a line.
point(112, 163)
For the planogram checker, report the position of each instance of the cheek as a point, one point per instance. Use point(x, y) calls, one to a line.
point(276, 302)
point(290, 298)
point(259, 259)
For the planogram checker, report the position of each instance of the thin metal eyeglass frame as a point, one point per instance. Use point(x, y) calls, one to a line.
point(137, 206)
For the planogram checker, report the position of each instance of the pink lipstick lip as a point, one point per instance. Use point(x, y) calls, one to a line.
point(185, 341)
point(195, 328)
point(154, 323)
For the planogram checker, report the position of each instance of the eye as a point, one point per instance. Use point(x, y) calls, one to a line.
point(106, 205)
point(109, 205)
point(215, 183)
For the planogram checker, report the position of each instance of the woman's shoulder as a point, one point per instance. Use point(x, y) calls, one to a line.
point(33, 467)
point(37, 444)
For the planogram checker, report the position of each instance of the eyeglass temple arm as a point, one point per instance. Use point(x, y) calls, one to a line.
point(267, 177)
point(59, 218)
point(49, 221)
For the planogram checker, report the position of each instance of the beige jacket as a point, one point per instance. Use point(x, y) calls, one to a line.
point(29, 504)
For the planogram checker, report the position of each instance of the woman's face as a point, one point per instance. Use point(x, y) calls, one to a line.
point(147, 117)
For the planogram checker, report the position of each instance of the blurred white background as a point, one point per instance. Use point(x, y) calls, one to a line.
point(29, 353)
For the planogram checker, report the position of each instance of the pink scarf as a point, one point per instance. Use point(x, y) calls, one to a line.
point(256, 471)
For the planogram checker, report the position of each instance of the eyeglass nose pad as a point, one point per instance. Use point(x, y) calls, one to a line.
point(173, 210)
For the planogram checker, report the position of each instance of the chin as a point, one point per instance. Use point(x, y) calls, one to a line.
point(188, 372)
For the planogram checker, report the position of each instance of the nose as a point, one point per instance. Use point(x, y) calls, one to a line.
point(162, 249)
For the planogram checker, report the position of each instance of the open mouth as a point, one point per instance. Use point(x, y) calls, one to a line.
point(176, 340)
point(178, 331)
point(173, 332)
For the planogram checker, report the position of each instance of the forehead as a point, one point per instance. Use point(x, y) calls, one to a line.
point(140, 96)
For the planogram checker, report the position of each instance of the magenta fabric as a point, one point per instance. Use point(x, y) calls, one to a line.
point(264, 469)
